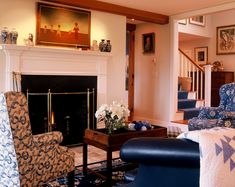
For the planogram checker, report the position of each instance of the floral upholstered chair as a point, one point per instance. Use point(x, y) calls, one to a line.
point(223, 115)
point(40, 157)
point(9, 174)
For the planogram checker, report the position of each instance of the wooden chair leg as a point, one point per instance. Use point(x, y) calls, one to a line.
point(71, 179)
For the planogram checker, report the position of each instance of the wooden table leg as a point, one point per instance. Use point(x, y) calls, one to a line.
point(109, 167)
point(84, 158)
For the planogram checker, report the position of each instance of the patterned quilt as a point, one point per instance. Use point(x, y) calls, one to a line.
point(217, 155)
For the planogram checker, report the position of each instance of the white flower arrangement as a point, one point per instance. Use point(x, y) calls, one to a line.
point(113, 115)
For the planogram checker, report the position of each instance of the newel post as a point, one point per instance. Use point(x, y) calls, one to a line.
point(208, 85)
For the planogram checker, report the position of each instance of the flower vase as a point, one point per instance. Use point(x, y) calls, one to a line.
point(109, 126)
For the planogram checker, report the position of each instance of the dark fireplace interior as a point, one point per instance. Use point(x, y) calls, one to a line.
point(61, 103)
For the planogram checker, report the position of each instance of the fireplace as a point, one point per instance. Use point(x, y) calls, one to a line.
point(62, 63)
point(63, 103)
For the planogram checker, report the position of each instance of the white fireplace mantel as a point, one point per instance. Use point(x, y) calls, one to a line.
point(41, 60)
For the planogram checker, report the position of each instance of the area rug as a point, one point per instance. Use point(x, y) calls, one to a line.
point(92, 180)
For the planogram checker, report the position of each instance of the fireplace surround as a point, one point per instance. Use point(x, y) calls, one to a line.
point(50, 61)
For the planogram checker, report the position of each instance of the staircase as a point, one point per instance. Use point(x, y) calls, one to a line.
point(195, 94)
point(189, 101)
point(187, 105)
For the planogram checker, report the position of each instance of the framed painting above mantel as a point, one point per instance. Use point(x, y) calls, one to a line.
point(62, 26)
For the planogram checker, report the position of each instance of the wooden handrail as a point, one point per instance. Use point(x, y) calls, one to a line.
point(199, 67)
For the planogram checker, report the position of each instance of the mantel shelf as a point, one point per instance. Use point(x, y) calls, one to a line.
point(46, 49)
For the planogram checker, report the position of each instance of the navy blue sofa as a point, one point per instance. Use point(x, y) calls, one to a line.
point(163, 162)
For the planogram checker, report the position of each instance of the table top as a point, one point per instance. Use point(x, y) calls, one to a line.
point(99, 138)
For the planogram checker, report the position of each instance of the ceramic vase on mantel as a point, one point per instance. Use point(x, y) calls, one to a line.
point(102, 45)
point(4, 35)
point(108, 46)
point(13, 36)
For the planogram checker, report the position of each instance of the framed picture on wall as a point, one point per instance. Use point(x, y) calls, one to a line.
point(62, 26)
point(149, 43)
point(198, 20)
point(201, 55)
point(225, 40)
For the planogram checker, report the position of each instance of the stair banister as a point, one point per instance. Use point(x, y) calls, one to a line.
point(189, 68)
point(194, 63)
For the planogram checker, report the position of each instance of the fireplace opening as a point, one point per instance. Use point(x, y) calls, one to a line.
point(63, 103)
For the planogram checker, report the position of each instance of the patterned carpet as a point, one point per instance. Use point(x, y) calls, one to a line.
point(91, 180)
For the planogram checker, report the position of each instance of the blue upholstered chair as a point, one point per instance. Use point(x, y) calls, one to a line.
point(223, 115)
point(9, 173)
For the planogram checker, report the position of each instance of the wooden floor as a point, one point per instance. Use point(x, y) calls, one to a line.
point(94, 154)
point(182, 122)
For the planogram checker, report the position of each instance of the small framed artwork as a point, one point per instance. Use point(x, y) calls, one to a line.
point(183, 21)
point(149, 43)
point(198, 20)
point(62, 26)
point(201, 55)
point(225, 40)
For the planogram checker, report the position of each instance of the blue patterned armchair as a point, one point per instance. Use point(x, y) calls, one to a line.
point(9, 173)
point(223, 115)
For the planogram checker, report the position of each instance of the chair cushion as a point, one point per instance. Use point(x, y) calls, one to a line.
point(198, 124)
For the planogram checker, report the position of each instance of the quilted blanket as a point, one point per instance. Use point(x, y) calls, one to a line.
point(217, 155)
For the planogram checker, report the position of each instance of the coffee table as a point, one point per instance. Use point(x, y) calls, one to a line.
point(109, 143)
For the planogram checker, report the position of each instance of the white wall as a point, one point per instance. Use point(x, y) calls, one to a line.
point(217, 19)
point(152, 78)
point(223, 19)
point(189, 47)
point(204, 31)
point(22, 16)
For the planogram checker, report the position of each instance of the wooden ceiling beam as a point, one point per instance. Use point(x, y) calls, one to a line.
point(116, 9)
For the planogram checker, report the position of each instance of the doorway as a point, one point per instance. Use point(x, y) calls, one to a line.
point(130, 61)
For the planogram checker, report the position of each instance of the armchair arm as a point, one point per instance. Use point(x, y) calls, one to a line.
point(50, 138)
point(210, 112)
point(158, 151)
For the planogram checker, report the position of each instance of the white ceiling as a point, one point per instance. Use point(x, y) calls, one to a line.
point(168, 7)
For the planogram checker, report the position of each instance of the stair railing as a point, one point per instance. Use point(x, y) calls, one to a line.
point(189, 68)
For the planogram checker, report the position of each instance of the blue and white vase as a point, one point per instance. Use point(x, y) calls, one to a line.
point(4, 35)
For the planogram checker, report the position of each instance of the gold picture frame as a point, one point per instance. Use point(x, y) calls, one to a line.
point(62, 26)
point(225, 40)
